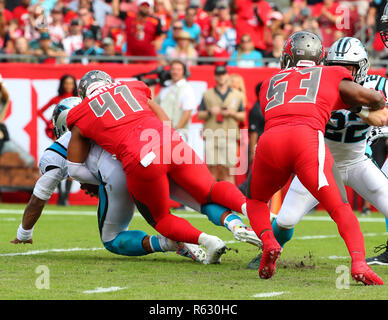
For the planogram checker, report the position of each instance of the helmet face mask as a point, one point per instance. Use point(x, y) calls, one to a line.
point(60, 114)
point(302, 48)
point(91, 81)
point(349, 51)
point(384, 24)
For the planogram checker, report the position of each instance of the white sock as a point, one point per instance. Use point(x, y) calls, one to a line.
point(167, 244)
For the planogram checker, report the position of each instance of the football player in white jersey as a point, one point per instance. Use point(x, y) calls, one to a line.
point(116, 209)
point(346, 135)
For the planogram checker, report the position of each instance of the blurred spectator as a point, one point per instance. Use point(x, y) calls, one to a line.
point(22, 47)
point(56, 27)
point(67, 88)
point(222, 108)
point(47, 5)
point(277, 47)
point(46, 50)
point(252, 19)
point(256, 125)
point(21, 12)
point(228, 39)
point(88, 22)
point(172, 34)
point(35, 24)
point(221, 21)
point(89, 48)
point(212, 50)
point(177, 98)
point(329, 17)
point(12, 33)
point(297, 12)
point(202, 18)
point(109, 51)
point(236, 81)
point(8, 15)
point(163, 11)
point(143, 30)
point(189, 24)
point(74, 40)
point(246, 56)
point(184, 49)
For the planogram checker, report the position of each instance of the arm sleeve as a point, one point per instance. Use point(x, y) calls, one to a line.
point(80, 172)
point(47, 183)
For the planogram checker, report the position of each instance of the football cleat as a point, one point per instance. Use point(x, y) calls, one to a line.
point(255, 262)
point(215, 249)
point(245, 234)
point(191, 251)
point(268, 261)
point(363, 273)
point(381, 259)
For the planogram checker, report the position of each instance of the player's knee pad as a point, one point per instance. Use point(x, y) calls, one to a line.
point(286, 219)
point(127, 243)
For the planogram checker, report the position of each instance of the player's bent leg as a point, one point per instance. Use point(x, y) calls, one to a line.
point(127, 243)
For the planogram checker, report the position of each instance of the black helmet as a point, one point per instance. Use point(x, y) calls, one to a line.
point(384, 26)
point(91, 81)
point(302, 46)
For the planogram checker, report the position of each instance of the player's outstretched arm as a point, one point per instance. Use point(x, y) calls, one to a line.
point(43, 190)
point(77, 152)
point(356, 96)
point(159, 112)
point(31, 215)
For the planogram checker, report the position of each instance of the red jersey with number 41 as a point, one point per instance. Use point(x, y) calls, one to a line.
point(303, 95)
point(114, 114)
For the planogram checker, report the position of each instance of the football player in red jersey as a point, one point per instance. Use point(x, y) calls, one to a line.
point(120, 117)
point(297, 103)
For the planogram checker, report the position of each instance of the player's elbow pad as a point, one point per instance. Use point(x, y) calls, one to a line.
point(79, 172)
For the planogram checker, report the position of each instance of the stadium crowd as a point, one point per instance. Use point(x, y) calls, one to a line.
point(234, 32)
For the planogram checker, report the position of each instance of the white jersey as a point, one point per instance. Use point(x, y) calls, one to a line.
point(346, 133)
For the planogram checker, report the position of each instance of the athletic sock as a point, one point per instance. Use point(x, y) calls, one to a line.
point(165, 244)
point(178, 229)
point(282, 235)
point(386, 223)
point(232, 220)
point(259, 216)
point(350, 231)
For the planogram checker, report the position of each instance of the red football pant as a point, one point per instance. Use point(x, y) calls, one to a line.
point(284, 150)
point(149, 188)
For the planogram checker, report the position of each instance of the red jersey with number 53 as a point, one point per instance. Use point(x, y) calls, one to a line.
point(114, 116)
point(303, 96)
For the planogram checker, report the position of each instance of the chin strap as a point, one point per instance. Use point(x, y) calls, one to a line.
point(305, 63)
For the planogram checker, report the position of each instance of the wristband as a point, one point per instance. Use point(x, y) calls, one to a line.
point(364, 112)
point(24, 235)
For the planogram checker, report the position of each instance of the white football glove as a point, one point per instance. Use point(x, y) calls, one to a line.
point(377, 133)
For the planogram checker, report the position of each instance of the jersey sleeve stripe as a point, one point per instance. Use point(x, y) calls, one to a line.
point(58, 148)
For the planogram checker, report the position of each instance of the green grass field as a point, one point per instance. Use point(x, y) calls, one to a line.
point(67, 245)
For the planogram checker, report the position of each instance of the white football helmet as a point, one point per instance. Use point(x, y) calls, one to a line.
point(349, 51)
point(60, 114)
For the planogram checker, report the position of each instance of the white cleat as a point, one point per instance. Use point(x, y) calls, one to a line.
point(245, 234)
point(192, 251)
point(215, 249)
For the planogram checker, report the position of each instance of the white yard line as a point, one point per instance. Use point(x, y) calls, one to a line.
point(268, 294)
point(182, 215)
point(103, 290)
point(34, 252)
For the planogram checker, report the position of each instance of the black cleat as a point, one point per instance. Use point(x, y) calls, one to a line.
point(381, 259)
point(255, 263)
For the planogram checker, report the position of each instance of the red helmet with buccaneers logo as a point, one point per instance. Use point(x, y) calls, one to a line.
point(302, 48)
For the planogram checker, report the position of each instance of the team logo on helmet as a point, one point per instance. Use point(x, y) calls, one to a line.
point(60, 114)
